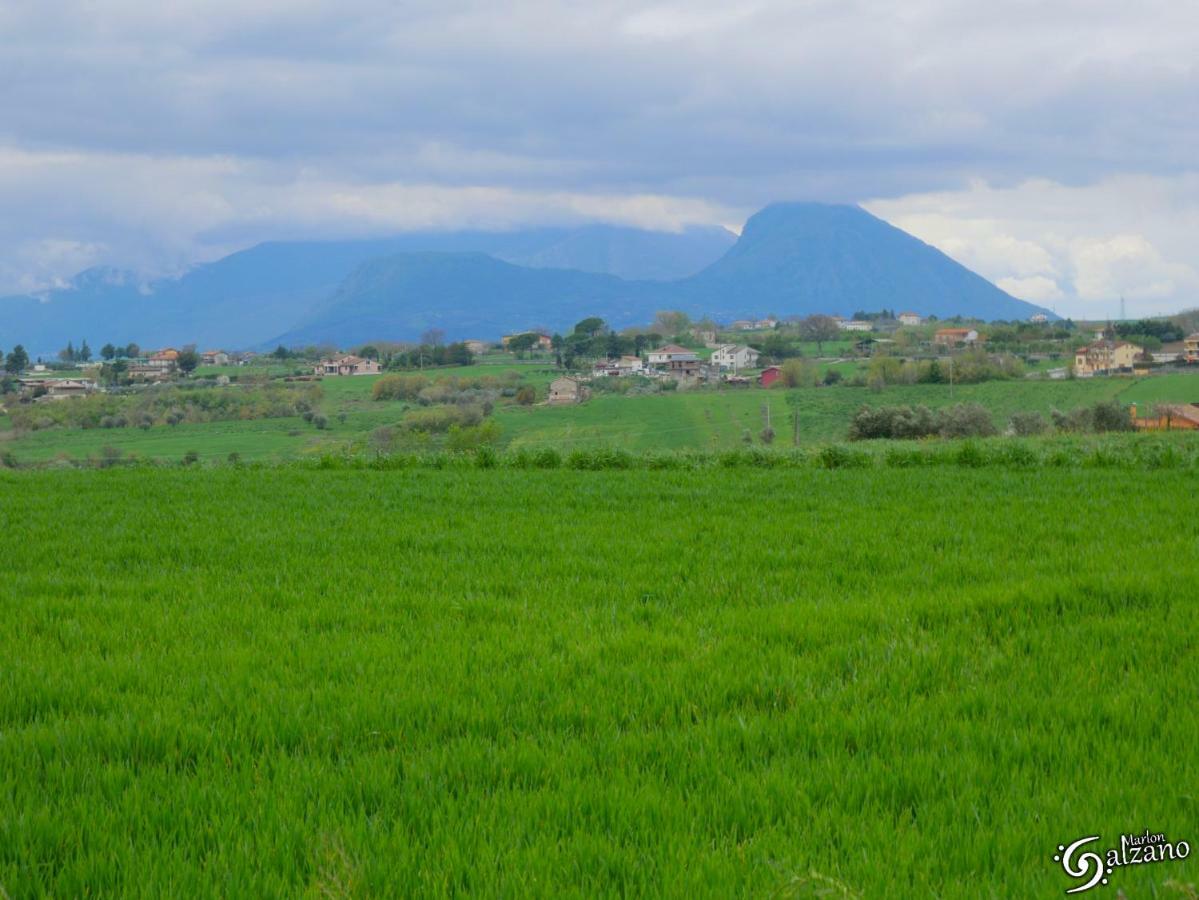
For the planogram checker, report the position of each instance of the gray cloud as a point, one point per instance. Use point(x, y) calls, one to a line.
point(157, 134)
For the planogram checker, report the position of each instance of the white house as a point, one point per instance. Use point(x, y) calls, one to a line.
point(1039, 319)
point(671, 353)
point(910, 318)
point(735, 357)
point(853, 325)
point(617, 368)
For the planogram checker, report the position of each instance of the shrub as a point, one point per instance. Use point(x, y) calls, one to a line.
point(892, 422)
point(966, 420)
point(472, 437)
point(526, 395)
point(399, 387)
point(190, 458)
point(1111, 416)
point(437, 420)
point(1102, 417)
point(1027, 424)
point(320, 421)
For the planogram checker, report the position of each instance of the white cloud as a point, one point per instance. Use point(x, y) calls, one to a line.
point(1023, 140)
point(1035, 288)
point(1078, 247)
point(158, 214)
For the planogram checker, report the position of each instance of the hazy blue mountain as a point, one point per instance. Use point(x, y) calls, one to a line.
point(801, 258)
point(249, 296)
point(467, 295)
point(626, 252)
point(791, 259)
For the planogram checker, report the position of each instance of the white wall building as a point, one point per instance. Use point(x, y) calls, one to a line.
point(671, 353)
point(735, 357)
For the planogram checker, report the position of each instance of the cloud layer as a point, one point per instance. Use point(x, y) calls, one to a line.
point(1050, 144)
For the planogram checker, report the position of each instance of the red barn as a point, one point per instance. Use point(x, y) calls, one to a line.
point(769, 376)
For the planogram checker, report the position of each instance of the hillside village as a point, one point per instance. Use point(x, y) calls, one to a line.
point(701, 354)
point(461, 394)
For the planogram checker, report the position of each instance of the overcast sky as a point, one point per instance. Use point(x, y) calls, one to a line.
point(1051, 145)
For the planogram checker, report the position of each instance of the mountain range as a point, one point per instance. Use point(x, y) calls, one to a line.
point(790, 259)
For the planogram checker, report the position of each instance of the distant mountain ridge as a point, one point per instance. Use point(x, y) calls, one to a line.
point(791, 259)
point(250, 296)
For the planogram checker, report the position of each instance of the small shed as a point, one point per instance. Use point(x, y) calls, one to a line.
point(770, 375)
point(567, 390)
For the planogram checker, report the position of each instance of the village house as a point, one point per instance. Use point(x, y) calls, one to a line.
point(705, 337)
point(671, 353)
point(770, 375)
point(765, 324)
point(735, 357)
point(853, 325)
point(1039, 319)
point(214, 358)
point(155, 367)
point(742, 325)
point(1168, 417)
point(685, 371)
point(910, 318)
point(616, 368)
point(347, 365)
point(1174, 351)
point(567, 390)
point(950, 337)
point(57, 388)
point(165, 360)
point(1105, 356)
point(1190, 347)
point(478, 348)
point(544, 341)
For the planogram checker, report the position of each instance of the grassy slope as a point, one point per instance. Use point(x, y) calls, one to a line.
point(709, 419)
point(697, 419)
point(557, 683)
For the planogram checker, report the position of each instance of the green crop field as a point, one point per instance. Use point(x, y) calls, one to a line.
point(704, 419)
point(853, 683)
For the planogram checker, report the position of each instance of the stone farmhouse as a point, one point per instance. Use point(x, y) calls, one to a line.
point(347, 365)
point(566, 390)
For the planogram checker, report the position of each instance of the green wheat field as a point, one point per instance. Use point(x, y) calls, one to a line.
point(280, 682)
